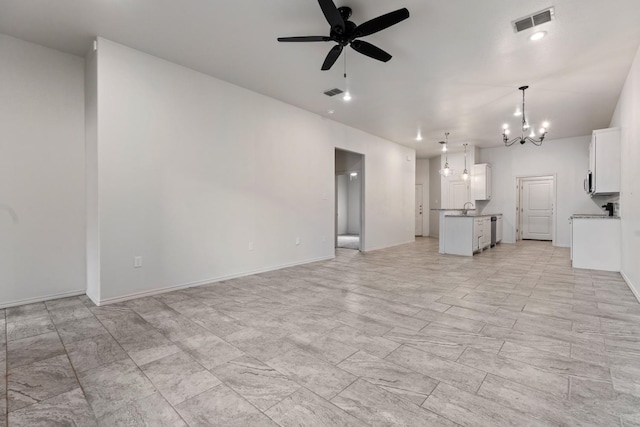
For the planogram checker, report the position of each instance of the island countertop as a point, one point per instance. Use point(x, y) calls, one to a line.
point(473, 215)
point(592, 216)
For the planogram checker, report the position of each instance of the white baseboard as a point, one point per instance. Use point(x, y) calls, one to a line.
point(157, 291)
point(389, 246)
point(635, 291)
point(42, 298)
point(93, 298)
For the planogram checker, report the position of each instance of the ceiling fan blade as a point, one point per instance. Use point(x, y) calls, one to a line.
point(370, 50)
point(381, 22)
point(332, 57)
point(305, 39)
point(333, 16)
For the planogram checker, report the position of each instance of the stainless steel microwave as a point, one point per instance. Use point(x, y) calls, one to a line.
point(588, 183)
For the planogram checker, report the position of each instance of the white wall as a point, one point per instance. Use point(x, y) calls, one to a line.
point(343, 205)
point(347, 161)
point(626, 117)
point(192, 169)
point(353, 201)
point(422, 177)
point(42, 218)
point(435, 192)
point(567, 158)
point(91, 175)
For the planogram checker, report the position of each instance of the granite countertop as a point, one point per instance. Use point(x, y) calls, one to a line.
point(473, 215)
point(593, 216)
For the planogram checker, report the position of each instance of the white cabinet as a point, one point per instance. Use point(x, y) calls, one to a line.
point(604, 161)
point(478, 231)
point(595, 243)
point(482, 181)
point(485, 241)
point(458, 194)
point(499, 229)
point(481, 232)
point(464, 235)
point(457, 235)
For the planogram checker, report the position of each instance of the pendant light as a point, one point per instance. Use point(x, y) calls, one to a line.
point(347, 95)
point(446, 171)
point(465, 174)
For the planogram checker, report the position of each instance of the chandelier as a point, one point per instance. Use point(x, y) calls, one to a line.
point(446, 171)
point(525, 128)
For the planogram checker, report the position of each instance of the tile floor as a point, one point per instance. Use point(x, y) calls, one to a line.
point(401, 336)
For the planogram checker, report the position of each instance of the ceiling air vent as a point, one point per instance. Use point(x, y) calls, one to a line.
point(533, 20)
point(333, 92)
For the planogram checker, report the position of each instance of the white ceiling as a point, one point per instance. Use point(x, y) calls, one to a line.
point(456, 64)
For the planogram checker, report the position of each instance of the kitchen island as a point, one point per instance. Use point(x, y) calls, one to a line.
point(466, 234)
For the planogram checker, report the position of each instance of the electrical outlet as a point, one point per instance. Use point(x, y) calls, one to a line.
point(137, 262)
point(297, 240)
point(250, 246)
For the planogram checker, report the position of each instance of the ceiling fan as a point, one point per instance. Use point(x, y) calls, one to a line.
point(345, 32)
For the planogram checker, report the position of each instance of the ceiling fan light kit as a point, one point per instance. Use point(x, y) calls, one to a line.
point(525, 127)
point(344, 32)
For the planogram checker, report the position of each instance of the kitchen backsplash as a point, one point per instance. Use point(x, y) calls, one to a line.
point(603, 200)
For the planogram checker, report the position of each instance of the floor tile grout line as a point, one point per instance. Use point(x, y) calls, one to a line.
point(159, 392)
point(134, 363)
point(75, 373)
point(50, 397)
point(140, 369)
point(344, 388)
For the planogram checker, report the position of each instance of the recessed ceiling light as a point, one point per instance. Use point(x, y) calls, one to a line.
point(419, 137)
point(330, 111)
point(347, 96)
point(537, 36)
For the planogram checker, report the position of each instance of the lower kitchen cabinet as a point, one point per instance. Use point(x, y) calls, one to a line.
point(481, 233)
point(464, 235)
point(595, 243)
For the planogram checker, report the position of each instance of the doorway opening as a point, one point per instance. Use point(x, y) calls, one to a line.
point(349, 215)
point(535, 208)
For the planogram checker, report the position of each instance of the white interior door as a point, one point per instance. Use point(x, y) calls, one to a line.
point(537, 208)
point(458, 194)
point(419, 231)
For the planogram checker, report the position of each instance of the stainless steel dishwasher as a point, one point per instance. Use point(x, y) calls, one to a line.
point(494, 222)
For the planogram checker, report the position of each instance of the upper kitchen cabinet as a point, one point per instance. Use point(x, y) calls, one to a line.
point(604, 161)
point(481, 187)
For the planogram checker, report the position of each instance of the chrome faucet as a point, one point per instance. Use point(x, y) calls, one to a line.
point(464, 207)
